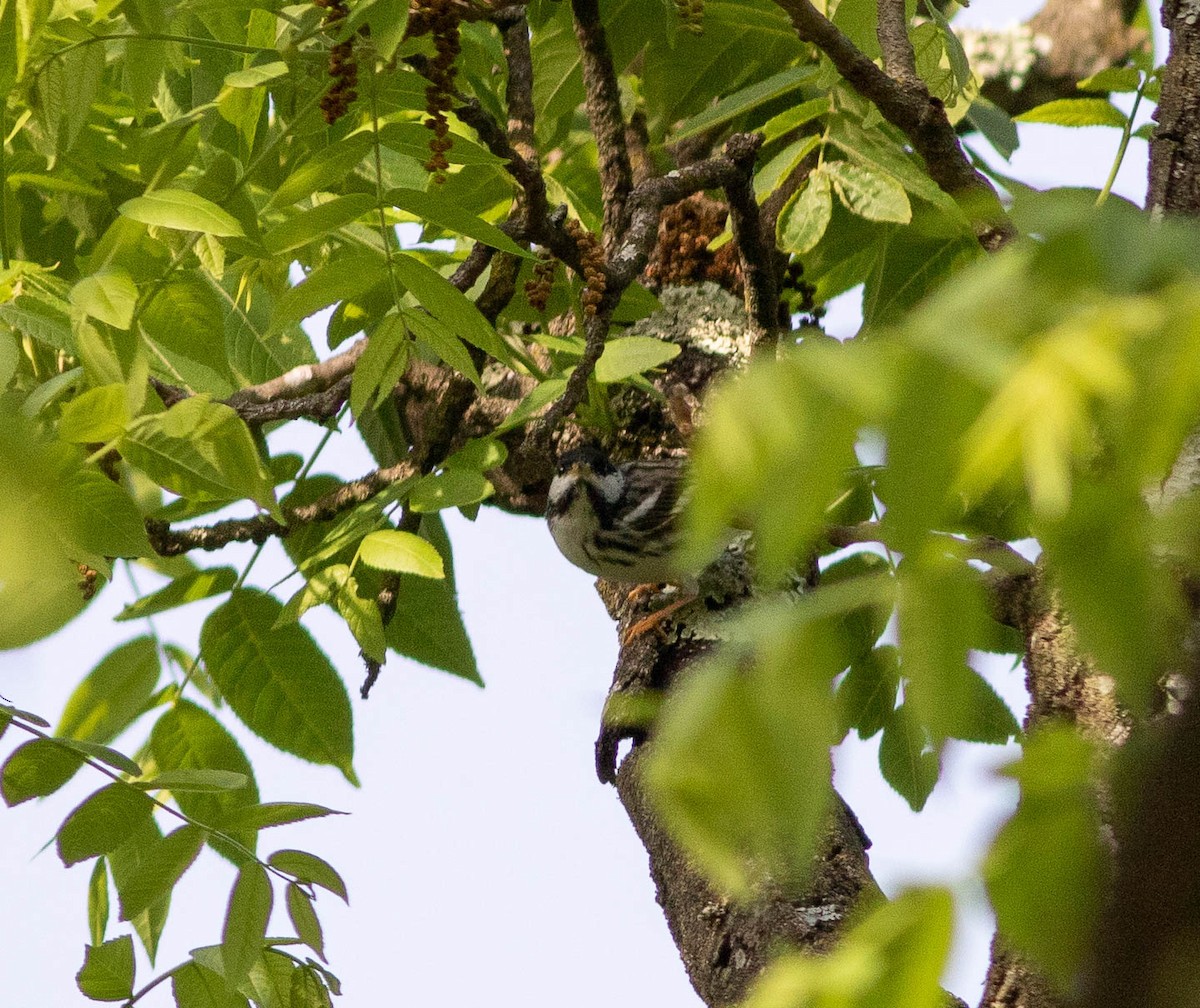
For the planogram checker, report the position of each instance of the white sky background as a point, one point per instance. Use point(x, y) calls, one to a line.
point(485, 863)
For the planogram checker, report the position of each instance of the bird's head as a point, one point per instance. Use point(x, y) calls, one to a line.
point(580, 467)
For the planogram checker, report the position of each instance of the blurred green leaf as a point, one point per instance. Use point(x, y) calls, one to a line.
point(1047, 869)
point(893, 958)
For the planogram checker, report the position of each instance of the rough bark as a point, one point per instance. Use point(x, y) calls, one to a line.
point(1175, 148)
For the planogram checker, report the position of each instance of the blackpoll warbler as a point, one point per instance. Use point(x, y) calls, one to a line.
point(620, 522)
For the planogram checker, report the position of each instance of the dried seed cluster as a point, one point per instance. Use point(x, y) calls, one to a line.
point(538, 287)
point(343, 67)
point(592, 261)
point(681, 255)
point(439, 19)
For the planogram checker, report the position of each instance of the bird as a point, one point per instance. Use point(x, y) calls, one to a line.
point(621, 522)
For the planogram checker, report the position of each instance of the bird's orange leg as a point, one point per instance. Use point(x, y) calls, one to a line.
point(656, 618)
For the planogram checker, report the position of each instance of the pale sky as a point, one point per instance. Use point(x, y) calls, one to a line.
point(485, 863)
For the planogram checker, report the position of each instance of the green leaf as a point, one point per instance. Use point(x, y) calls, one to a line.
point(869, 193)
point(278, 681)
point(384, 21)
point(448, 305)
point(200, 448)
point(194, 986)
point(867, 695)
point(256, 75)
point(445, 343)
point(345, 277)
point(741, 781)
point(381, 365)
point(872, 149)
point(542, 395)
point(190, 587)
point(161, 865)
point(257, 817)
point(107, 972)
point(1047, 871)
point(102, 822)
point(311, 869)
point(321, 171)
point(627, 356)
point(304, 919)
point(907, 759)
point(108, 295)
point(112, 694)
point(125, 863)
point(186, 737)
point(401, 553)
point(451, 488)
point(312, 225)
point(429, 207)
point(97, 910)
point(103, 754)
point(182, 322)
point(35, 769)
point(746, 99)
point(246, 921)
point(102, 519)
point(806, 215)
point(894, 957)
point(996, 125)
point(97, 415)
point(1075, 112)
point(427, 625)
point(360, 610)
point(1122, 80)
point(182, 211)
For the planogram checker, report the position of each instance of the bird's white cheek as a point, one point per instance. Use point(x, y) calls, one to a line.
point(570, 530)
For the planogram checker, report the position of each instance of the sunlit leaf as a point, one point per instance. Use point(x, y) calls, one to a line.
point(183, 211)
point(278, 681)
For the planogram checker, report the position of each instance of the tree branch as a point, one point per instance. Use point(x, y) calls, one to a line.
point(171, 542)
point(602, 99)
point(891, 28)
point(918, 115)
point(756, 253)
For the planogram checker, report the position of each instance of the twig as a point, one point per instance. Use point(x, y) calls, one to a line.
point(992, 551)
point(300, 381)
point(170, 542)
point(756, 255)
point(602, 99)
point(918, 115)
point(891, 29)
